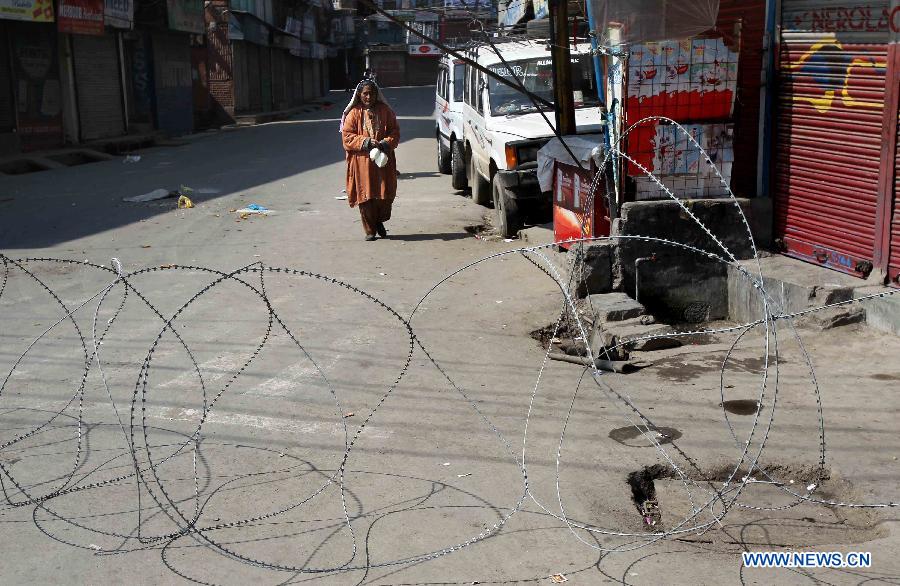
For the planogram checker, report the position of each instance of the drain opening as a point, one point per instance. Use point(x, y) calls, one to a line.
point(643, 493)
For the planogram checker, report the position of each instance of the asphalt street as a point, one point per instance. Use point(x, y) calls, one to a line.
point(470, 460)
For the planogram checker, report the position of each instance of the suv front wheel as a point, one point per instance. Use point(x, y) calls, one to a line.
point(509, 219)
point(480, 186)
point(458, 166)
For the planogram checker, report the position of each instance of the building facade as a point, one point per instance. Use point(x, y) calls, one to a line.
point(80, 71)
point(401, 57)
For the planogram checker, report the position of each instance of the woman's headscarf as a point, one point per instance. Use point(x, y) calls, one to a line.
point(356, 100)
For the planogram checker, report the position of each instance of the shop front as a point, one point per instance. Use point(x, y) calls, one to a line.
point(30, 92)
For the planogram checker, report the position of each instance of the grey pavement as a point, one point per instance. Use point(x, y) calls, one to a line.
point(433, 486)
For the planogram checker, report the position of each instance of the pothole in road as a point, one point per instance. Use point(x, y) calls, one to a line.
point(484, 231)
point(766, 514)
point(642, 436)
point(740, 406)
point(476, 229)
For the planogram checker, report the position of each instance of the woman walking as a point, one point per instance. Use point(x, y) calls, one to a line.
point(368, 124)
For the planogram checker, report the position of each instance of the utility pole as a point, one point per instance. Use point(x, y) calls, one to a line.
point(562, 67)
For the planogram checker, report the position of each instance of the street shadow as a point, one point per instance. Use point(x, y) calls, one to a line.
point(448, 236)
point(49, 208)
point(419, 175)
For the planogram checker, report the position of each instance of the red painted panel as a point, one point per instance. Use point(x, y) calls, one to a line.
point(828, 147)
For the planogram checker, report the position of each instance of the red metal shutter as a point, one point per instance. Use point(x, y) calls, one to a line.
point(894, 263)
point(830, 101)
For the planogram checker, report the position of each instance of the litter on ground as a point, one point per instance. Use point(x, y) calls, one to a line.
point(132, 159)
point(150, 196)
point(254, 209)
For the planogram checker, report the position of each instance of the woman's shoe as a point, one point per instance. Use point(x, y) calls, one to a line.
point(370, 237)
point(382, 231)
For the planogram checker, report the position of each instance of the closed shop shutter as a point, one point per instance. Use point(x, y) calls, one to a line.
point(317, 77)
point(309, 87)
point(7, 118)
point(174, 87)
point(421, 70)
point(297, 78)
point(828, 142)
point(253, 77)
point(98, 86)
point(894, 263)
point(265, 74)
point(241, 79)
point(279, 80)
point(390, 68)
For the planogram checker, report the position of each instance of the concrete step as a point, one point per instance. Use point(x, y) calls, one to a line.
point(538, 235)
point(629, 332)
point(796, 286)
point(883, 311)
point(614, 307)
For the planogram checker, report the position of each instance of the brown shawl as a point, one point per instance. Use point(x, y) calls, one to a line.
point(365, 179)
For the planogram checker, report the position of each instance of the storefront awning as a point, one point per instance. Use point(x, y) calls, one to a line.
point(245, 26)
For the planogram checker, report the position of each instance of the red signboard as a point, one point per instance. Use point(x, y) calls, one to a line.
point(424, 50)
point(81, 17)
point(572, 206)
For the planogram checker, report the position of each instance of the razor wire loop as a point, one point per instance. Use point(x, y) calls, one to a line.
point(705, 496)
point(551, 271)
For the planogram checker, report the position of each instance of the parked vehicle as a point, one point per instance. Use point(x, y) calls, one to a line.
point(448, 121)
point(503, 128)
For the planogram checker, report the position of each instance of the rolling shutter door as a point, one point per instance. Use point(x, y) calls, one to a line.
point(828, 141)
point(296, 66)
point(894, 263)
point(308, 80)
point(174, 87)
point(7, 117)
point(253, 77)
point(98, 86)
point(279, 79)
point(241, 79)
point(265, 82)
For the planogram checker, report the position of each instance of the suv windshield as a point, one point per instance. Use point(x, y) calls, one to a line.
point(537, 76)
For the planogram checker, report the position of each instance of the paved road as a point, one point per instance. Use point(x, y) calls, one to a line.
point(436, 466)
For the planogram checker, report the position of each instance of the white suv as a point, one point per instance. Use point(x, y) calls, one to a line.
point(448, 121)
point(504, 129)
